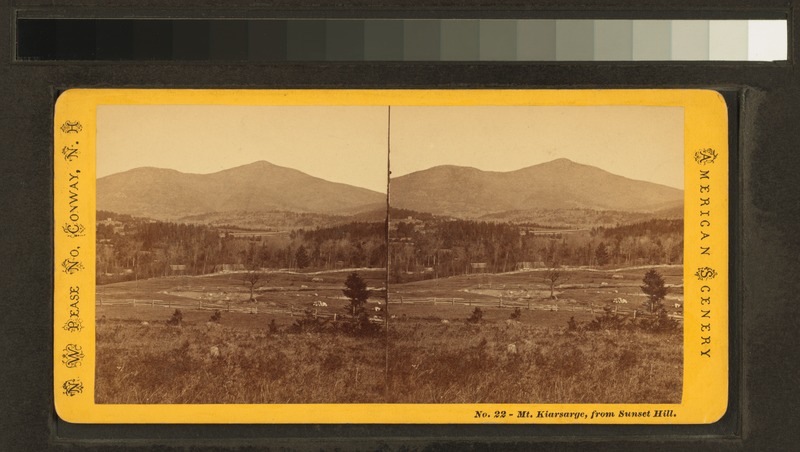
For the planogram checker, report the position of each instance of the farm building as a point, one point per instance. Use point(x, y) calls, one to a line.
point(228, 267)
point(177, 269)
point(478, 267)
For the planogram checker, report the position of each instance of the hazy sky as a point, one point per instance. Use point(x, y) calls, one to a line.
point(339, 144)
point(643, 143)
point(348, 144)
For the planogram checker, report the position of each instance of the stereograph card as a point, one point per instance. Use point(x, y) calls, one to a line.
point(391, 256)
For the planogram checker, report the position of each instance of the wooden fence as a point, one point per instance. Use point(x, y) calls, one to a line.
point(301, 311)
point(227, 307)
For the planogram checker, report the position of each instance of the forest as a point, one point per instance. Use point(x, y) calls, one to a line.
point(131, 248)
point(446, 247)
point(421, 246)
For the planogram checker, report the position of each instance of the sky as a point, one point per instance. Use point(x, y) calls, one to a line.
point(338, 144)
point(349, 144)
point(644, 143)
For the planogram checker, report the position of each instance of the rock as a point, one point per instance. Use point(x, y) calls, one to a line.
point(445, 321)
point(214, 351)
point(511, 349)
point(145, 324)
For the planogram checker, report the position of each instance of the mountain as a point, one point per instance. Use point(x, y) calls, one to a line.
point(559, 184)
point(167, 194)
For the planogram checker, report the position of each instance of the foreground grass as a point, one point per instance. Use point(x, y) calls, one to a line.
point(428, 363)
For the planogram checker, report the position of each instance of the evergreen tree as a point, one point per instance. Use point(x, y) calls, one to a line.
point(655, 290)
point(301, 256)
point(601, 254)
point(356, 290)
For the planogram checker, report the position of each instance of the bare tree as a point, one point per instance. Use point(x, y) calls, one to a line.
point(554, 276)
point(252, 279)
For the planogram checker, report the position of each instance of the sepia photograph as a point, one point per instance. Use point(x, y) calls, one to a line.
point(536, 254)
point(524, 254)
point(241, 254)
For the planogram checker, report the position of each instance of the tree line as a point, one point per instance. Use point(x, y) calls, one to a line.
point(441, 248)
point(133, 248)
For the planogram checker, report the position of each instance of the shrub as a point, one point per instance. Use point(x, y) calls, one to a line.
point(517, 314)
point(609, 320)
point(176, 319)
point(572, 325)
point(477, 316)
point(216, 316)
point(360, 325)
point(273, 327)
point(308, 324)
point(659, 323)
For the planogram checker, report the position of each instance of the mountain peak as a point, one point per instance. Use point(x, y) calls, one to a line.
point(560, 161)
point(557, 184)
point(255, 187)
point(259, 163)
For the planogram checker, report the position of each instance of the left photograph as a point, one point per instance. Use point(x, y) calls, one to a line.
point(229, 238)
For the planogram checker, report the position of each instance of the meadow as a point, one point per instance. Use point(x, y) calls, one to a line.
point(252, 354)
point(242, 361)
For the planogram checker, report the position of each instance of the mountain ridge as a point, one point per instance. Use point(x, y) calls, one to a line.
point(557, 184)
point(258, 186)
point(448, 190)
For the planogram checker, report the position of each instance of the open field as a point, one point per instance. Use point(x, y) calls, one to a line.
point(277, 291)
point(241, 361)
point(581, 290)
point(252, 355)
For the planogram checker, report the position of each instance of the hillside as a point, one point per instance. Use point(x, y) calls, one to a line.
point(556, 185)
point(261, 186)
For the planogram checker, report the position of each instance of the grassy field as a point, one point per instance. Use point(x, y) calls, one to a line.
point(241, 361)
point(584, 287)
point(435, 355)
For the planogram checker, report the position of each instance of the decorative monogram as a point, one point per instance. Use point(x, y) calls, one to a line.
point(73, 325)
point(72, 356)
point(704, 273)
point(74, 229)
point(72, 387)
point(705, 156)
point(70, 153)
point(71, 266)
point(71, 127)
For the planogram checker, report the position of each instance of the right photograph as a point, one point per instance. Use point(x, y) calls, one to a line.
point(536, 254)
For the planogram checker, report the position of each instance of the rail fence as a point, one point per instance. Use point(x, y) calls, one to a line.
point(211, 307)
point(321, 313)
point(488, 303)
